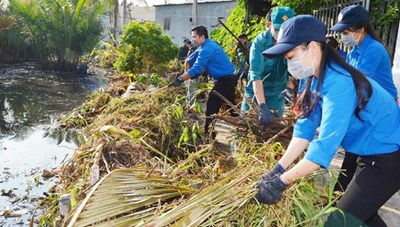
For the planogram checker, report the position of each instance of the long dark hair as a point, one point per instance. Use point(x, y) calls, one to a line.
point(371, 31)
point(363, 87)
point(368, 28)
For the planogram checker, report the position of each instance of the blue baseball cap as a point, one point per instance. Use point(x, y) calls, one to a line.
point(280, 15)
point(350, 15)
point(296, 30)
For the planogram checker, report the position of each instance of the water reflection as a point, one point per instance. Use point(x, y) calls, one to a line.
point(31, 98)
point(30, 103)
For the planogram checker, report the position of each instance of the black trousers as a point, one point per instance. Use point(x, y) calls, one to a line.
point(377, 179)
point(224, 86)
point(349, 167)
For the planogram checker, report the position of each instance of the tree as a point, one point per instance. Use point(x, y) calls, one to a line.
point(62, 31)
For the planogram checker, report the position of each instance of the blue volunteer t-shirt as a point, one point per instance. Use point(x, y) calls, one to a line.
point(372, 59)
point(377, 133)
point(211, 57)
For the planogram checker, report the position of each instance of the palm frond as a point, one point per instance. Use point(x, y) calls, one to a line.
point(125, 197)
point(211, 203)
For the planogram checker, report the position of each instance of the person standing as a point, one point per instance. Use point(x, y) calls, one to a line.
point(191, 47)
point(242, 56)
point(370, 57)
point(183, 51)
point(351, 111)
point(267, 78)
point(210, 57)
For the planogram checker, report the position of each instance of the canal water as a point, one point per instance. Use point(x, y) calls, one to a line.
point(32, 102)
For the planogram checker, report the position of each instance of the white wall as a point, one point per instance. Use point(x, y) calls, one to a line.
point(180, 14)
point(396, 63)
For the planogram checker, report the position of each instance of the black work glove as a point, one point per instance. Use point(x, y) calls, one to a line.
point(264, 115)
point(277, 169)
point(287, 94)
point(177, 82)
point(270, 191)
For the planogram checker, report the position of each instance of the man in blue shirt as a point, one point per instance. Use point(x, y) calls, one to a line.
point(210, 57)
point(267, 78)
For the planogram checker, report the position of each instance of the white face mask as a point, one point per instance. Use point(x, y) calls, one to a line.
point(274, 33)
point(348, 40)
point(297, 69)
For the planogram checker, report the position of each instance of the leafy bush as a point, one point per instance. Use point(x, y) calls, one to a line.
point(62, 31)
point(15, 44)
point(303, 6)
point(143, 46)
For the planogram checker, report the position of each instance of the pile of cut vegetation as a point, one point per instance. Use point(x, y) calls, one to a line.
point(144, 162)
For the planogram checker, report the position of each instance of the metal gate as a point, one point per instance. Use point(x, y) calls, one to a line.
point(329, 15)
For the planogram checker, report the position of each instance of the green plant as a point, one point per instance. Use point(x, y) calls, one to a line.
point(152, 79)
point(384, 13)
point(15, 44)
point(62, 31)
point(303, 6)
point(235, 22)
point(142, 47)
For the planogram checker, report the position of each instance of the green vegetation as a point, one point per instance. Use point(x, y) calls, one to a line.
point(15, 45)
point(384, 13)
point(303, 6)
point(142, 47)
point(59, 31)
point(235, 22)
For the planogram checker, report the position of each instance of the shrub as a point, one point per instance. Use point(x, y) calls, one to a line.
point(15, 44)
point(142, 47)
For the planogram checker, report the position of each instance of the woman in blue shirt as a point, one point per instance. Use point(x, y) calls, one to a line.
point(351, 111)
point(370, 57)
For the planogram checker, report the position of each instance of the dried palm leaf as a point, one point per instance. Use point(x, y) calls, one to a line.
point(125, 196)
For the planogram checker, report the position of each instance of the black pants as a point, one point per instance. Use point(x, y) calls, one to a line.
point(224, 86)
point(377, 179)
point(349, 167)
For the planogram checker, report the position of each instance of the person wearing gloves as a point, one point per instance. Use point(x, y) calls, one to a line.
point(210, 57)
point(267, 78)
point(351, 111)
point(370, 57)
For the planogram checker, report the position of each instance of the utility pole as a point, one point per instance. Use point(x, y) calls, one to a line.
point(194, 13)
point(124, 13)
point(115, 2)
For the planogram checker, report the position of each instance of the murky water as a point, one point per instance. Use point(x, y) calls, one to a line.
point(30, 103)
